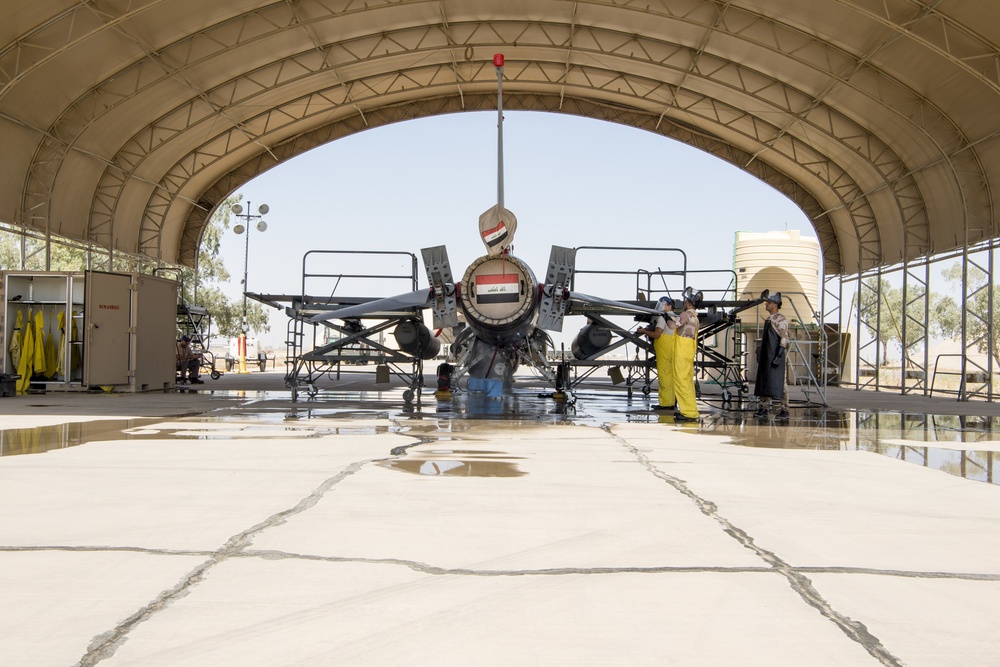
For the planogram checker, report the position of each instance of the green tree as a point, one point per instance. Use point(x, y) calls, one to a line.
point(204, 290)
point(981, 318)
point(62, 257)
point(201, 289)
point(943, 319)
point(887, 327)
point(10, 252)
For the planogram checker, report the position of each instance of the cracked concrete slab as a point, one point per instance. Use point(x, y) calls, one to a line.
point(365, 614)
point(165, 493)
point(930, 622)
point(259, 532)
point(578, 504)
point(54, 602)
point(849, 508)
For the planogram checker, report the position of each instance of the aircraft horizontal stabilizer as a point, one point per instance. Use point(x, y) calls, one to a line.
point(400, 301)
point(576, 298)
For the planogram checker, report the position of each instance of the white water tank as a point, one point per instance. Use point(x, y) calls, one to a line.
point(779, 262)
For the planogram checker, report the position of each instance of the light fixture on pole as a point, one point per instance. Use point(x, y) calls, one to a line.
point(240, 228)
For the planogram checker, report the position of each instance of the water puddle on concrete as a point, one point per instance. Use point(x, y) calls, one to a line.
point(968, 447)
point(521, 406)
point(41, 439)
point(457, 463)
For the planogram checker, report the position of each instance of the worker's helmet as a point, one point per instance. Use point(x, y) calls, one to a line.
point(186, 339)
point(774, 298)
point(694, 297)
point(662, 304)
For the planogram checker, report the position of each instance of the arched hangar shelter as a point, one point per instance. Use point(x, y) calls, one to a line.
point(126, 122)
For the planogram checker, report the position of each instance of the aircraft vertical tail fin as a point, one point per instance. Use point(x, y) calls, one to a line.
point(562, 262)
point(439, 277)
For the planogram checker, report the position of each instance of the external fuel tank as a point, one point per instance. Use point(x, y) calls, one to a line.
point(415, 338)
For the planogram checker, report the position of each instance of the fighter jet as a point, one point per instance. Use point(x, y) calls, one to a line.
point(506, 310)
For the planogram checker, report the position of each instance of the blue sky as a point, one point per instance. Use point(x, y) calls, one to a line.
point(569, 181)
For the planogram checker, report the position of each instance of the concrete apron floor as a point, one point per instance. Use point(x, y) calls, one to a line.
point(233, 526)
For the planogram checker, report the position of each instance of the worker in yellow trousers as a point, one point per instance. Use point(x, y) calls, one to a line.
point(662, 335)
point(685, 347)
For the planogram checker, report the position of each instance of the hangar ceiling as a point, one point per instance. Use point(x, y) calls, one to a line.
point(125, 122)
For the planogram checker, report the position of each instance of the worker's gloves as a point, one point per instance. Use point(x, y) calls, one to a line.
point(779, 355)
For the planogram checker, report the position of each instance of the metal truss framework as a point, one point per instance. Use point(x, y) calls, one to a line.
point(892, 176)
point(652, 77)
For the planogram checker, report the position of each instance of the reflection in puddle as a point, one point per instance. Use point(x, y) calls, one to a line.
point(41, 439)
point(963, 446)
point(940, 442)
point(524, 406)
point(45, 438)
point(457, 463)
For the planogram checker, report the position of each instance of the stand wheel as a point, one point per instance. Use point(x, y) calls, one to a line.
point(726, 396)
point(216, 375)
point(408, 395)
point(312, 390)
point(645, 390)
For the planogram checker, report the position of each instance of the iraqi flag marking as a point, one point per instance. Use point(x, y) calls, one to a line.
point(495, 235)
point(498, 288)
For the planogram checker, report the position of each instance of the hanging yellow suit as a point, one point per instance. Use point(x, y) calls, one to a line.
point(39, 344)
point(51, 356)
point(26, 365)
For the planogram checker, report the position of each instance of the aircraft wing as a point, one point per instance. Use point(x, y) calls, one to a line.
point(419, 298)
point(580, 301)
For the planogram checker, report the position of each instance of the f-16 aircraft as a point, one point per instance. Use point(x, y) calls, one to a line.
point(505, 311)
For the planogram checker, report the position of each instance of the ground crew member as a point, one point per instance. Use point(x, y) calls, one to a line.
point(771, 356)
point(685, 347)
point(188, 361)
point(662, 335)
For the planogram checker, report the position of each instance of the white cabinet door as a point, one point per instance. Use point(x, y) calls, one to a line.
point(108, 316)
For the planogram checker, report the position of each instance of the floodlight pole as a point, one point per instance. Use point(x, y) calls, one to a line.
point(237, 210)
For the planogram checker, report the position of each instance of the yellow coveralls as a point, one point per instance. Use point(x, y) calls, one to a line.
point(684, 351)
point(664, 348)
point(26, 364)
point(38, 348)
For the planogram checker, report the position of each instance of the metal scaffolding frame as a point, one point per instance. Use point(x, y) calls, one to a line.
point(911, 369)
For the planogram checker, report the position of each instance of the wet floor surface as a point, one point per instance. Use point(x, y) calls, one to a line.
point(965, 446)
point(357, 529)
